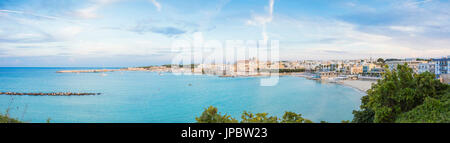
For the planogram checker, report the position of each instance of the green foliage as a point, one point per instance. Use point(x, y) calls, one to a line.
point(248, 117)
point(365, 115)
point(399, 91)
point(291, 117)
point(6, 119)
point(146, 67)
point(380, 60)
point(167, 66)
point(345, 121)
point(210, 115)
point(431, 111)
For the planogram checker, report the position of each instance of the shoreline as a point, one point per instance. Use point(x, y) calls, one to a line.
point(359, 85)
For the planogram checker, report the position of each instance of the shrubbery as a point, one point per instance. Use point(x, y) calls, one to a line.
point(6, 119)
point(403, 96)
point(431, 111)
point(211, 115)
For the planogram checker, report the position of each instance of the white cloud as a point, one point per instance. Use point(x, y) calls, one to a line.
point(263, 20)
point(90, 12)
point(271, 3)
point(31, 49)
point(322, 38)
point(351, 4)
point(26, 36)
point(105, 1)
point(41, 30)
point(157, 5)
point(27, 13)
point(410, 29)
point(68, 32)
point(311, 36)
point(97, 48)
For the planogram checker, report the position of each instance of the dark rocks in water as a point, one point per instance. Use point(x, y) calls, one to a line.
point(50, 94)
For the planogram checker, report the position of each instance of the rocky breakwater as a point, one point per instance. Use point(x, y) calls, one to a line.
point(50, 94)
point(103, 70)
point(88, 71)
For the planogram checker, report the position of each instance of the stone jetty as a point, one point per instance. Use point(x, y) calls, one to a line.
point(87, 71)
point(102, 70)
point(50, 94)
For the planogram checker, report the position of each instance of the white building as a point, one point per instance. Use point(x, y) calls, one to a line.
point(413, 64)
point(426, 67)
point(442, 66)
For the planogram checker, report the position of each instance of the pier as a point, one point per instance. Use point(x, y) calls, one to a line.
point(102, 70)
point(50, 94)
point(88, 71)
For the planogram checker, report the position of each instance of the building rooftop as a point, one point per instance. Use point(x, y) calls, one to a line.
point(442, 59)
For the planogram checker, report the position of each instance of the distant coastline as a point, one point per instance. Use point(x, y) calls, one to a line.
point(360, 85)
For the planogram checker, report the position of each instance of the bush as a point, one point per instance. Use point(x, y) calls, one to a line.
point(398, 92)
point(6, 119)
point(431, 111)
point(210, 115)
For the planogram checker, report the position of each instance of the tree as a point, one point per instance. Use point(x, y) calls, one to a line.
point(248, 117)
point(345, 121)
point(399, 91)
point(7, 119)
point(381, 60)
point(365, 115)
point(291, 117)
point(431, 111)
point(210, 115)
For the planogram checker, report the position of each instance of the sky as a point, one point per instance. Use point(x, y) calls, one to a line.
point(124, 33)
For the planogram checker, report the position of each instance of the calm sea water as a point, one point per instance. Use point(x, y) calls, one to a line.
point(148, 97)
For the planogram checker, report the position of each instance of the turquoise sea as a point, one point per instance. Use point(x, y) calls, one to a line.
point(147, 97)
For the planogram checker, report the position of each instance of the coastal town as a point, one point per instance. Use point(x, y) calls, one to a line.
point(360, 73)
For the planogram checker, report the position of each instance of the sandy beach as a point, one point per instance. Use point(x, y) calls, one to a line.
point(362, 85)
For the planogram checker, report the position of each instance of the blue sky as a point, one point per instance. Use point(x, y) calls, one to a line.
point(141, 32)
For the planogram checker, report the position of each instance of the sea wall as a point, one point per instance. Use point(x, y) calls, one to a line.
point(50, 94)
